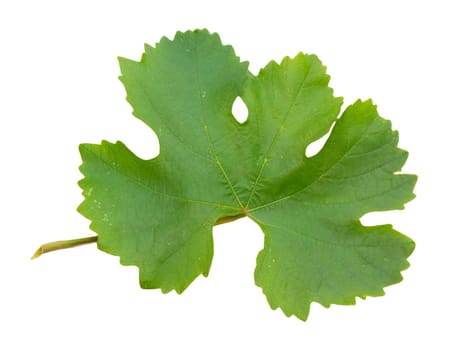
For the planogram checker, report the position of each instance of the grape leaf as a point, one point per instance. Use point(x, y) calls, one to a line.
point(158, 214)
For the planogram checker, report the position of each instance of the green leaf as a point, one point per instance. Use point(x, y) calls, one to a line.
point(158, 214)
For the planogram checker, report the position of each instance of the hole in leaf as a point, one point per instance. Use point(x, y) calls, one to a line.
point(316, 146)
point(239, 110)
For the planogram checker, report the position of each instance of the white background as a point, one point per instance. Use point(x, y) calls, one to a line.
point(59, 88)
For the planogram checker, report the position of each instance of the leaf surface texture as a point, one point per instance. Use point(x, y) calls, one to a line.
point(158, 214)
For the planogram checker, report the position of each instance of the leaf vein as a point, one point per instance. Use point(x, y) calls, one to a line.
point(278, 133)
point(300, 190)
point(146, 185)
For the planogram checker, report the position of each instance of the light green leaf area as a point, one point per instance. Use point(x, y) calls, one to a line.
point(158, 214)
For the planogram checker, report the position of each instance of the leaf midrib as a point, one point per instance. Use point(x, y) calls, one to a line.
point(147, 186)
point(318, 178)
point(207, 133)
point(277, 134)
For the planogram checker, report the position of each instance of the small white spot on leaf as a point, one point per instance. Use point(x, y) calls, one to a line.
point(239, 110)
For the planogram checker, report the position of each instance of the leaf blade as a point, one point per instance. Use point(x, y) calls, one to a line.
point(158, 214)
point(290, 105)
point(327, 212)
point(161, 223)
point(123, 208)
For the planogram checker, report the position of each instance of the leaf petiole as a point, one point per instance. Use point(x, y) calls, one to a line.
point(50, 247)
point(71, 243)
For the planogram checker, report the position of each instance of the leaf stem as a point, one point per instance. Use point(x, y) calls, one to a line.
point(71, 243)
point(227, 219)
point(52, 246)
